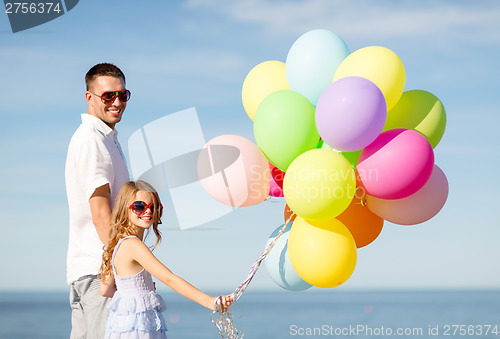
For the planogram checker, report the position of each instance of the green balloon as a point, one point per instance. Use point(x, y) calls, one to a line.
point(420, 111)
point(284, 127)
point(352, 157)
point(323, 145)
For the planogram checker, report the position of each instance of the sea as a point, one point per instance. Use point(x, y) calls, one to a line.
point(344, 314)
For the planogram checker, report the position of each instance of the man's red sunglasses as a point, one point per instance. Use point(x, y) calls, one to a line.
point(108, 98)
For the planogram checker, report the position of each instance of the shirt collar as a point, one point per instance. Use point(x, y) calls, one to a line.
point(98, 124)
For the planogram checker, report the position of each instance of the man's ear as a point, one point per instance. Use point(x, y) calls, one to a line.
point(88, 96)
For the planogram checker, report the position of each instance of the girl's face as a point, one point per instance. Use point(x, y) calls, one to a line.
point(145, 219)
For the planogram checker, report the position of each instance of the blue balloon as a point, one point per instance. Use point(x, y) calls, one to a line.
point(278, 263)
point(312, 61)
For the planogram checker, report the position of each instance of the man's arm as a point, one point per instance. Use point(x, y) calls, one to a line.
point(100, 207)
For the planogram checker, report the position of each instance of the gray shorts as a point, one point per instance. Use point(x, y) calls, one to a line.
point(89, 309)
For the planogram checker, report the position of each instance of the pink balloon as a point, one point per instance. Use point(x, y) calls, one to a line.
point(277, 175)
point(416, 208)
point(234, 171)
point(276, 190)
point(397, 164)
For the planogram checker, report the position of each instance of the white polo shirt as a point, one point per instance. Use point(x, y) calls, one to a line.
point(94, 159)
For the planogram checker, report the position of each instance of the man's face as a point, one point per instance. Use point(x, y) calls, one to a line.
point(111, 113)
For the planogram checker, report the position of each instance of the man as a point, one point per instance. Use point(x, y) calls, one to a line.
point(95, 171)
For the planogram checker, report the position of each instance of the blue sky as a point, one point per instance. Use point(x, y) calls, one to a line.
point(197, 53)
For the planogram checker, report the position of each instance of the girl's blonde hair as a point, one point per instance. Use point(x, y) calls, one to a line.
point(120, 222)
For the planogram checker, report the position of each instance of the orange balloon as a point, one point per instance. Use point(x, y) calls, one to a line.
point(288, 212)
point(364, 226)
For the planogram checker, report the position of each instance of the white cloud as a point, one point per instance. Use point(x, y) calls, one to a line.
point(30, 68)
point(365, 19)
point(190, 76)
point(189, 62)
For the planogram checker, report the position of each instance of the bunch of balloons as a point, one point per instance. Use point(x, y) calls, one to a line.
point(345, 145)
point(348, 147)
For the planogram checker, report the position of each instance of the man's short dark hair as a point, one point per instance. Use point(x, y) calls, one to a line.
point(104, 69)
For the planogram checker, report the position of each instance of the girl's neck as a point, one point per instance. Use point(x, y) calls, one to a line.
point(140, 233)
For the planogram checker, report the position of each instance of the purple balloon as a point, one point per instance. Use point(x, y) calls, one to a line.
point(350, 114)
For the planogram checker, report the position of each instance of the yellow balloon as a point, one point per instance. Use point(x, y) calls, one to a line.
point(381, 66)
point(323, 253)
point(319, 184)
point(264, 79)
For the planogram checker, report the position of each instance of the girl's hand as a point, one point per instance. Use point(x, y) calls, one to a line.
point(223, 302)
point(108, 288)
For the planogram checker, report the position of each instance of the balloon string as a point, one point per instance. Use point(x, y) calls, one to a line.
point(224, 320)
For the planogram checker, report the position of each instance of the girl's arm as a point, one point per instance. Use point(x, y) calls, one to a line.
point(107, 288)
point(139, 252)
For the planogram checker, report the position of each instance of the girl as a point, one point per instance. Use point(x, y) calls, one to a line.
point(127, 265)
